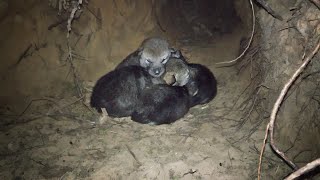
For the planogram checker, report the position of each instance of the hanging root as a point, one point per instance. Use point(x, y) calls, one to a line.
point(304, 170)
point(232, 62)
point(76, 7)
point(270, 127)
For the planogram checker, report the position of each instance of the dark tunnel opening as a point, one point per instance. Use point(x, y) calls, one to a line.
point(205, 20)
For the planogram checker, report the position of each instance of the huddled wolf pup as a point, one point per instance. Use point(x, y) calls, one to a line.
point(198, 79)
point(152, 55)
point(118, 91)
point(192, 84)
point(162, 104)
point(131, 91)
point(202, 85)
point(177, 72)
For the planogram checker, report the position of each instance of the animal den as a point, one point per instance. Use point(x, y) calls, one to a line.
point(54, 51)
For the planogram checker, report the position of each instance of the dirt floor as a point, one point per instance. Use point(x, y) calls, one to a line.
point(202, 145)
point(47, 132)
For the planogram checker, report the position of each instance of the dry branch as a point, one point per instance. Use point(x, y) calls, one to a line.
point(230, 63)
point(262, 150)
point(279, 101)
point(72, 15)
point(76, 79)
point(305, 169)
point(276, 107)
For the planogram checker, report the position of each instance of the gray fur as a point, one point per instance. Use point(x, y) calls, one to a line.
point(152, 55)
point(177, 72)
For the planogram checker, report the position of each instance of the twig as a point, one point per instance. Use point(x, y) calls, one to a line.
point(251, 53)
point(133, 155)
point(70, 54)
point(191, 171)
point(266, 6)
point(71, 17)
point(276, 106)
point(34, 100)
point(74, 72)
point(98, 17)
point(22, 56)
point(60, 108)
point(38, 162)
point(244, 120)
point(305, 169)
point(262, 150)
point(230, 63)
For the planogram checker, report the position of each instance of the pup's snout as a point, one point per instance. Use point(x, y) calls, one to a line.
point(157, 71)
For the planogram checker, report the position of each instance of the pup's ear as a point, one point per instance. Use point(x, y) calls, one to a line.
point(140, 49)
point(192, 88)
point(175, 53)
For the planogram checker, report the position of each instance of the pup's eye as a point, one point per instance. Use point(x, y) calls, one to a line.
point(164, 60)
point(148, 61)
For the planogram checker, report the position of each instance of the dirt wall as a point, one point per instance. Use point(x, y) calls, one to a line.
point(34, 59)
point(284, 45)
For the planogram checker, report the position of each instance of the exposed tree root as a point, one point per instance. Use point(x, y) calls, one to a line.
point(270, 126)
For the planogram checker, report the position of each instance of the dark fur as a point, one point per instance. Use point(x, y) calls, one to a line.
point(131, 91)
point(132, 59)
point(202, 85)
point(162, 104)
point(118, 91)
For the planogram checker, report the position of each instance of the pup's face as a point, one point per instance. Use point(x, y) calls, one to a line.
point(154, 62)
point(177, 72)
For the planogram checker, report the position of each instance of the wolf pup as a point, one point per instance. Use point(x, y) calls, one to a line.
point(119, 90)
point(177, 72)
point(162, 104)
point(152, 55)
point(202, 86)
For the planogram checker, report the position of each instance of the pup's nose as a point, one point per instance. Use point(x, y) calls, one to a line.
point(157, 71)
